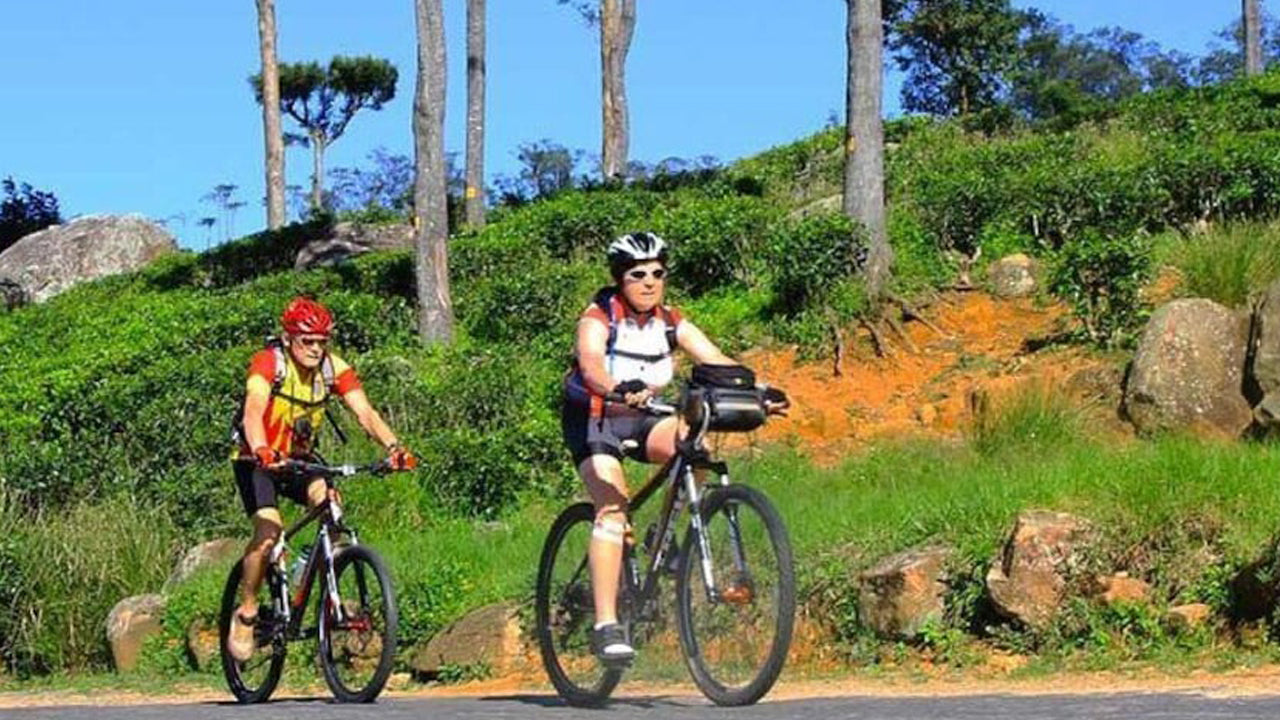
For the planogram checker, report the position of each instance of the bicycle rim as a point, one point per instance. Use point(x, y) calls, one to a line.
point(253, 680)
point(357, 651)
point(736, 641)
point(565, 612)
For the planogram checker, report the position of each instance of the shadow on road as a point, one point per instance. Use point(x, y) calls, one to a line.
point(640, 702)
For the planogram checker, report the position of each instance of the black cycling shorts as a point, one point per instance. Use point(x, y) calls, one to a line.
point(586, 436)
point(259, 487)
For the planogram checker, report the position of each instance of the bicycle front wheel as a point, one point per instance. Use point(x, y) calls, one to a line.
point(358, 645)
point(736, 633)
point(253, 680)
point(565, 612)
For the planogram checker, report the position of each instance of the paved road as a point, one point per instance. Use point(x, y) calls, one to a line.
point(537, 707)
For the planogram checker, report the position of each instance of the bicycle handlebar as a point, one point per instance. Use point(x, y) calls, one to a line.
point(653, 406)
point(381, 467)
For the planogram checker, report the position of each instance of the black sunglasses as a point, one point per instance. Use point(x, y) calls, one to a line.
point(658, 274)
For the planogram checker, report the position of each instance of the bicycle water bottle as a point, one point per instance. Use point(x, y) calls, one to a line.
point(299, 567)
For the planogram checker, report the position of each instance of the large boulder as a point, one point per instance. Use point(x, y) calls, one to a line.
point(347, 240)
point(1028, 580)
point(59, 257)
point(1263, 373)
point(129, 623)
point(1188, 370)
point(206, 554)
point(489, 636)
point(1012, 276)
point(904, 592)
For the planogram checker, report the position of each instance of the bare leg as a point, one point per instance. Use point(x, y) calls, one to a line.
point(607, 485)
point(266, 532)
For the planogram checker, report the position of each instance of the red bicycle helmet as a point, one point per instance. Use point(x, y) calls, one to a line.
point(305, 316)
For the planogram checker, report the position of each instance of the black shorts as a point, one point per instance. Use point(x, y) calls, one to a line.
point(259, 487)
point(586, 436)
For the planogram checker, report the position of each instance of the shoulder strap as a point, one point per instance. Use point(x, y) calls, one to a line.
point(282, 366)
point(604, 300)
point(672, 341)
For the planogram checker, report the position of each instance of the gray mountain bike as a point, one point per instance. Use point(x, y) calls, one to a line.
point(733, 572)
point(355, 619)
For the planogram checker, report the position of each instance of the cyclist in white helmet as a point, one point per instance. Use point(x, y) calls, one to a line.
point(625, 341)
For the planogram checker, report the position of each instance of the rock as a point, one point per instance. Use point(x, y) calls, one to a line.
point(903, 592)
point(1187, 617)
point(59, 257)
point(129, 623)
point(348, 240)
point(12, 296)
point(489, 635)
point(1120, 588)
point(1263, 372)
point(206, 554)
point(202, 645)
point(399, 681)
point(1187, 371)
point(1013, 276)
point(1028, 580)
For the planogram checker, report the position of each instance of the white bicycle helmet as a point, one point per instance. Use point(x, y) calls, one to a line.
point(635, 248)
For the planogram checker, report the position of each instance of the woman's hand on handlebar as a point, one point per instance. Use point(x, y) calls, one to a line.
point(635, 393)
point(776, 401)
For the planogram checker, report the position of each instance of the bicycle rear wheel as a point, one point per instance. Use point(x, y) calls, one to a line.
point(565, 612)
point(357, 652)
point(736, 637)
point(253, 680)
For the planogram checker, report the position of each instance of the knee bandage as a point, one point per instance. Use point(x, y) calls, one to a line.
point(609, 530)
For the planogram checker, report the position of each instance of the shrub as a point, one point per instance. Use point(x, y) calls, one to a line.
point(810, 258)
point(1100, 277)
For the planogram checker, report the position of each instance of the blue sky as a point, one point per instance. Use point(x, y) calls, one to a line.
point(143, 106)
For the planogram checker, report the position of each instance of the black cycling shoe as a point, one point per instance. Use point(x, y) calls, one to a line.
point(609, 643)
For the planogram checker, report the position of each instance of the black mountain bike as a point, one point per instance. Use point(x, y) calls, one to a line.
point(734, 579)
point(355, 611)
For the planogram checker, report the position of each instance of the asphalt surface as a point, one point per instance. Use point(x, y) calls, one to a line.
point(1161, 706)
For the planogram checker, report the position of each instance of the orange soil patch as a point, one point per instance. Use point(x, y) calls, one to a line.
point(925, 393)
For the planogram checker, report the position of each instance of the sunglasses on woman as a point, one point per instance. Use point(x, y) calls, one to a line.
point(639, 274)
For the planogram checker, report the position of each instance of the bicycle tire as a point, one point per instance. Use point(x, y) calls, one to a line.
point(570, 608)
point(339, 651)
point(245, 691)
point(715, 513)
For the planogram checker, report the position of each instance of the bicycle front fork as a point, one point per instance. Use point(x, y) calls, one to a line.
point(699, 529)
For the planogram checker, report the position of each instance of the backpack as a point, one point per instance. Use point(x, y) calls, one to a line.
point(325, 376)
point(604, 300)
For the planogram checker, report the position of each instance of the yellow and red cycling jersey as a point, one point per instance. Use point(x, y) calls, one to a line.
point(300, 394)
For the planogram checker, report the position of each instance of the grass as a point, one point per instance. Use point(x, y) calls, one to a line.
point(1229, 264)
point(1173, 496)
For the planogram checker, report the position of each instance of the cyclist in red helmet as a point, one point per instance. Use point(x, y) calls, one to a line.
point(288, 384)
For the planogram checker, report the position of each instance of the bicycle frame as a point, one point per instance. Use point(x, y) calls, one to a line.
point(678, 474)
point(292, 610)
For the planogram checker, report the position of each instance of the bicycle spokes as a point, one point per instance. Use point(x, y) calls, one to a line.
point(736, 630)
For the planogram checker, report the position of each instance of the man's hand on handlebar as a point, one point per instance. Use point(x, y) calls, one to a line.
point(399, 458)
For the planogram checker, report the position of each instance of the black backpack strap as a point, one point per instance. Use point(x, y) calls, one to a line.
point(604, 300)
point(672, 341)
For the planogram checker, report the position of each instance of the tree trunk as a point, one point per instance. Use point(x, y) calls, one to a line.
point(617, 25)
point(864, 138)
point(1252, 20)
point(475, 114)
point(317, 172)
point(272, 132)
point(430, 207)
